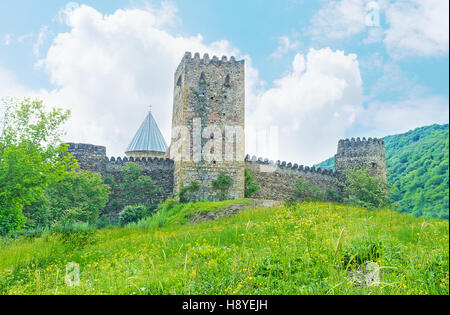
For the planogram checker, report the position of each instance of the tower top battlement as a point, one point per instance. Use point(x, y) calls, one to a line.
point(196, 60)
point(207, 60)
point(366, 153)
point(353, 145)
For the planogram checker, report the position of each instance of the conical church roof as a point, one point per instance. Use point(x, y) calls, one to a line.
point(148, 137)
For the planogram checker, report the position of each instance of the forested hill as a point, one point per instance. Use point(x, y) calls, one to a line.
point(417, 166)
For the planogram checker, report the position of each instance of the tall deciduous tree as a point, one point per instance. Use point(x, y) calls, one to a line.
point(366, 191)
point(78, 197)
point(31, 156)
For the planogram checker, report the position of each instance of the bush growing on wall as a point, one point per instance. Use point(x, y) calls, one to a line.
point(307, 192)
point(183, 193)
point(223, 184)
point(250, 186)
point(133, 214)
point(133, 188)
point(313, 193)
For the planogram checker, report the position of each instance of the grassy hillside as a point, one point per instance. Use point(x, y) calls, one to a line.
point(303, 248)
point(417, 165)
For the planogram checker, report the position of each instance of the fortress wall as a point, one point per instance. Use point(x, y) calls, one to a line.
point(206, 173)
point(93, 158)
point(159, 170)
point(278, 181)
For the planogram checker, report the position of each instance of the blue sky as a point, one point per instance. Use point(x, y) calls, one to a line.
point(304, 62)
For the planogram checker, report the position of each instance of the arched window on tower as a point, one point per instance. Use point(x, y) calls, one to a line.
point(202, 78)
point(227, 81)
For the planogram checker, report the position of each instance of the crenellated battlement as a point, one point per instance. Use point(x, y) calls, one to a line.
point(358, 140)
point(215, 64)
point(163, 162)
point(206, 60)
point(278, 180)
point(366, 153)
point(93, 157)
point(358, 146)
point(87, 148)
point(290, 166)
point(347, 145)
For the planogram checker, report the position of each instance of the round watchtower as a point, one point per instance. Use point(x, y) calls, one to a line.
point(356, 153)
point(90, 157)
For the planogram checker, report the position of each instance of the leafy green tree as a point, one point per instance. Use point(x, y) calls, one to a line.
point(223, 184)
point(251, 187)
point(78, 197)
point(31, 156)
point(364, 190)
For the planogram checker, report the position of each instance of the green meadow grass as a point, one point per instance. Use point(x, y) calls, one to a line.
point(301, 248)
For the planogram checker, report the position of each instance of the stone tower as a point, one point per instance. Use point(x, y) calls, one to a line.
point(356, 153)
point(208, 124)
point(90, 157)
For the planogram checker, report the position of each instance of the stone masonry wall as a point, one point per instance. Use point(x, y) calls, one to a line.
point(278, 181)
point(90, 157)
point(211, 90)
point(93, 158)
point(369, 154)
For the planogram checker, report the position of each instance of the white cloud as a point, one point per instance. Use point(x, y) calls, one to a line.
point(339, 19)
point(418, 27)
point(312, 106)
point(393, 80)
point(23, 38)
point(40, 40)
point(7, 40)
point(9, 85)
point(109, 68)
point(372, 62)
point(375, 35)
point(285, 44)
point(166, 15)
point(383, 118)
point(406, 105)
point(64, 13)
